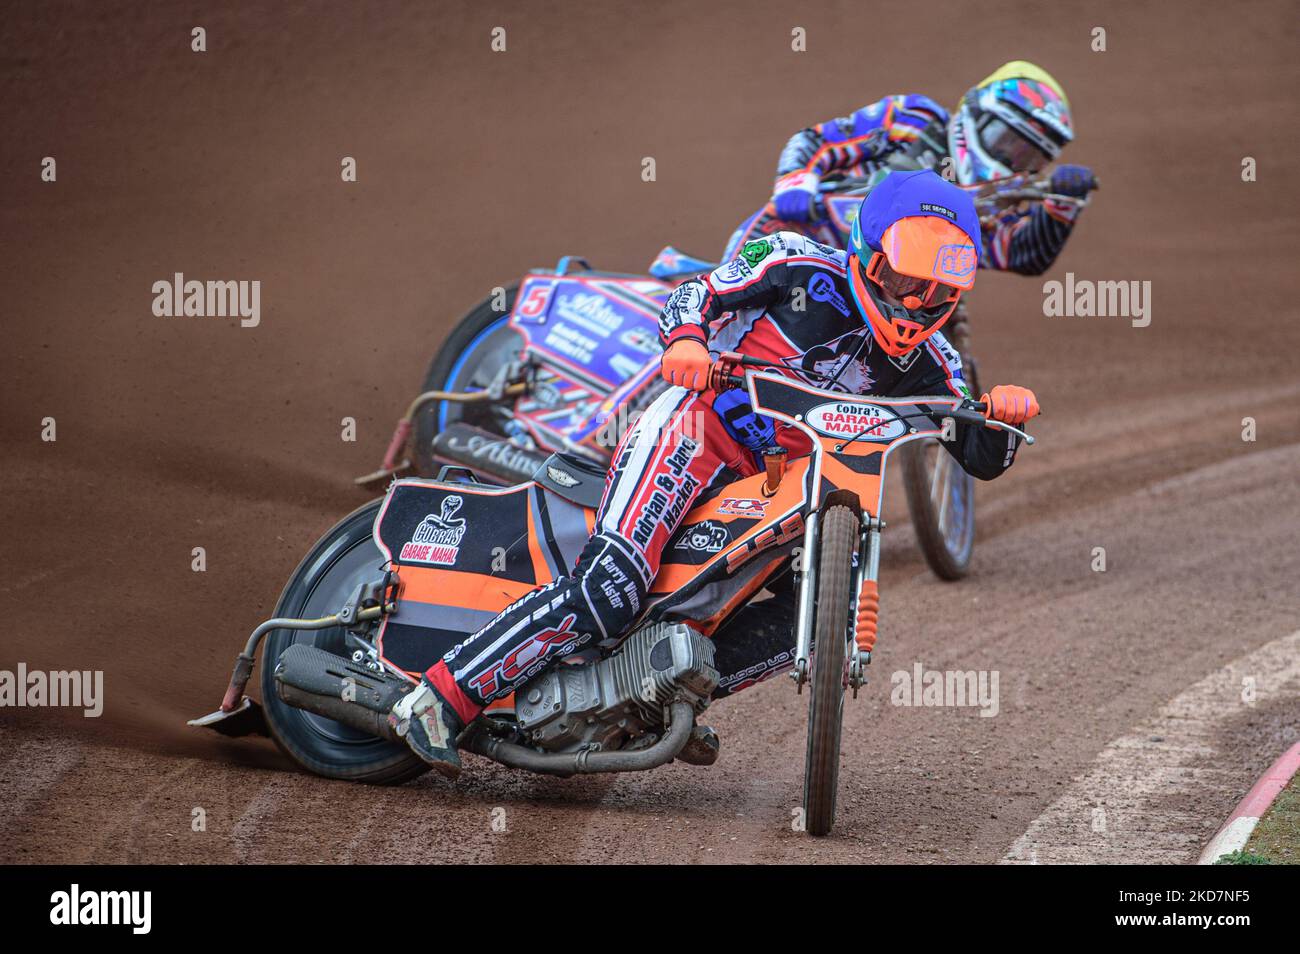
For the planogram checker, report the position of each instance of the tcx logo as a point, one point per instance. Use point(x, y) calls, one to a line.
point(529, 657)
point(743, 507)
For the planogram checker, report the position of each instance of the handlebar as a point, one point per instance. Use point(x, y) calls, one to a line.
point(723, 377)
point(990, 198)
point(995, 197)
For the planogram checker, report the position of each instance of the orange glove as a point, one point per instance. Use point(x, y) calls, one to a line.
point(1010, 404)
point(686, 363)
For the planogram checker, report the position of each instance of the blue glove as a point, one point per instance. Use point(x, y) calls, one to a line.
point(1075, 181)
point(794, 195)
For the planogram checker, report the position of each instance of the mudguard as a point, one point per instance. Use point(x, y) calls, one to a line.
point(464, 552)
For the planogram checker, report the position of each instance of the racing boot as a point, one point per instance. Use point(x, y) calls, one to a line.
point(430, 727)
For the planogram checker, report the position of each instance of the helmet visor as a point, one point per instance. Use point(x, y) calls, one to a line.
point(1010, 148)
point(925, 299)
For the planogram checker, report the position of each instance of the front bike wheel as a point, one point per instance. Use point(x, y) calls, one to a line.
point(832, 630)
point(941, 500)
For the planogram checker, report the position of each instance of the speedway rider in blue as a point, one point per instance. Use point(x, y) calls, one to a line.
point(1014, 122)
point(865, 321)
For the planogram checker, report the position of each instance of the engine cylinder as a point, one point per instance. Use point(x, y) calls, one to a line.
point(618, 702)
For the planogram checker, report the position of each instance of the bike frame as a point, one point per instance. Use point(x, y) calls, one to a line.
point(848, 466)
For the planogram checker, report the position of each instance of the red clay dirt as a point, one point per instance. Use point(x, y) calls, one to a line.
point(474, 166)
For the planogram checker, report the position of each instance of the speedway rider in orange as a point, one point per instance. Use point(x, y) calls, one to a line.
point(864, 321)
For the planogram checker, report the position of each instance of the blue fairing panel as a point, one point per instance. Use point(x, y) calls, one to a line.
point(598, 330)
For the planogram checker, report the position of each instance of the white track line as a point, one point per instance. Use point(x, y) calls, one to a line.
point(250, 829)
point(1118, 811)
point(134, 843)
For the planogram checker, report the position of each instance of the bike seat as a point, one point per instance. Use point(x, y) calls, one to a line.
point(574, 478)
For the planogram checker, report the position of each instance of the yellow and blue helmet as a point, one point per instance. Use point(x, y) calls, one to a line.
point(1016, 120)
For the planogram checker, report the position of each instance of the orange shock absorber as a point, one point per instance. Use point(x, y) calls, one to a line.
point(868, 614)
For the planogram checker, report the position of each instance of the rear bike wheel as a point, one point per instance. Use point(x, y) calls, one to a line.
point(477, 348)
point(341, 560)
point(832, 629)
point(941, 500)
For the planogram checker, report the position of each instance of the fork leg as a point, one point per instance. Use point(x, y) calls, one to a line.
point(807, 595)
point(865, 577)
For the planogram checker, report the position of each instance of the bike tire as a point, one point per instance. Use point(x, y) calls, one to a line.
point(947, 541)
point(320, 584)
point(838, 541)
point(483, 331)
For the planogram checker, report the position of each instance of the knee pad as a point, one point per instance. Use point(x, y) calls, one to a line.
point(611, 582)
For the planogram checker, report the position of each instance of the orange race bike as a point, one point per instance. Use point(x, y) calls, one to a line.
point(404, 578)
point(567, 357)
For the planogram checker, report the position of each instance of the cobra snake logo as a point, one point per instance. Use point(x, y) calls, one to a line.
point(443, 527)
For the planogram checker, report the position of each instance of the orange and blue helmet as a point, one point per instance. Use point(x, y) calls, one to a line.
point(1016, 120)
point(913, 250)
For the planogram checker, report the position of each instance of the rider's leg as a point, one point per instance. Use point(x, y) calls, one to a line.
point(675, 451)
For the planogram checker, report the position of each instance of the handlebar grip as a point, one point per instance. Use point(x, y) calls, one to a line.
point(723, 381)
point(721, 377)
point(972, 412)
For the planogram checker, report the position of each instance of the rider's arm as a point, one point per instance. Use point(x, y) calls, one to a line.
point(868, 134)
point(983, 452)
point(759, 276)
point(1030, 242)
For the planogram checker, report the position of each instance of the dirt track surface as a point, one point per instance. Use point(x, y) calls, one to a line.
point(474, 166)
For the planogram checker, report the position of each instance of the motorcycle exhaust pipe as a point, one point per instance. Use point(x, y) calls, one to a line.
point(336, 688)
point(319, 682)
point(682, 717)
